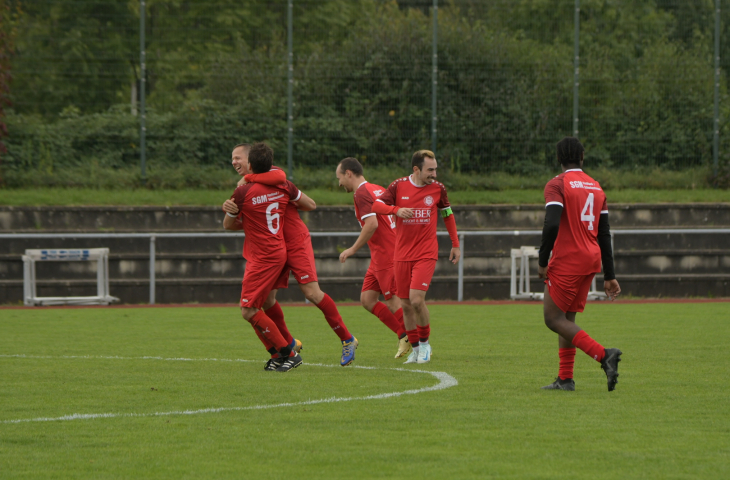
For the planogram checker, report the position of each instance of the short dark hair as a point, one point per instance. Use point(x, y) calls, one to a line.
point(261, 157)
point(352, 165)
point(246, 146)
point(569, 151)
point(419, 157)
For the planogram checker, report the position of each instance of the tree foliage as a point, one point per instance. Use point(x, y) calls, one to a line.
point(217, 75)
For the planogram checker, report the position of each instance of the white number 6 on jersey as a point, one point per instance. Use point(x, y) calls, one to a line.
point(587, 214)
point(275, 217)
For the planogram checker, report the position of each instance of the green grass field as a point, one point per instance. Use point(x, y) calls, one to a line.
point(669, 416)
point(82, 196)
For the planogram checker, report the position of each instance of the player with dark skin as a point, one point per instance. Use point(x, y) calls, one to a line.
point(563, 323)
point(576, 242)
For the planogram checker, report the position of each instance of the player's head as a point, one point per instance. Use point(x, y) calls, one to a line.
point(424, 166)
point(570, 152)
point(239, 158)
point(349, 173)
point(260, 158)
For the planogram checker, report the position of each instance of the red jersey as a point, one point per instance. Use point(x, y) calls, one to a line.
point(294, 227)
point(383, 240)
point(416, 236)
point(261, 208)
point(576, 250)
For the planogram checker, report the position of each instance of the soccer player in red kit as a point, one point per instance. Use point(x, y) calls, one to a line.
point(416, 201)
point(239, 161)
point(378, 231)
point(261, 215)
point(577, 233)
point(300, 261)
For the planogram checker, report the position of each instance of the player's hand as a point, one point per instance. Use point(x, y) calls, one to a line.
point(612, 288)
point(542, 271)
point(405, 212)
point(455, 255)
point(229, 206)
point(241, 181)
point(345, 255)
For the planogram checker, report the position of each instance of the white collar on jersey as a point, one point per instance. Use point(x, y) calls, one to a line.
point(363, 183)
point(410, 178)
point(574, 170)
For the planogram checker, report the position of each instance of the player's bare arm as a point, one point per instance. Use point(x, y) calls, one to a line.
point(230, 220)
point(370, 225)
point(305, 203)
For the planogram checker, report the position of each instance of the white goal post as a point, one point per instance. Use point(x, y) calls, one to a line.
point(100, 255)
point(520, 282)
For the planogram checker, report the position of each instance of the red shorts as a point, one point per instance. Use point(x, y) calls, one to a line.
point(569, 292)
point(258, 280)
point(382, 281)
point(415, 275)
point(299, 261)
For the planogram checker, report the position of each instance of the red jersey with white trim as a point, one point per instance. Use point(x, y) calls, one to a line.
point(382, 243)
point(576, 250)
point(294, 227)
point(261, 209)
point(416, 236)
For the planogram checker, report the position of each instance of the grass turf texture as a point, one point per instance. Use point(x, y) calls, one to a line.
point(668, 417)
point(80, 196)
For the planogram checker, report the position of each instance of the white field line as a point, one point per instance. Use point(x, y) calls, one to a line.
point(445, 381)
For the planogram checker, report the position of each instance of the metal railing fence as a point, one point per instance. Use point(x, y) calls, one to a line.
point(462, 236)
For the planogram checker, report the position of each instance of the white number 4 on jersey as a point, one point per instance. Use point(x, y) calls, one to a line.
point(587, 214)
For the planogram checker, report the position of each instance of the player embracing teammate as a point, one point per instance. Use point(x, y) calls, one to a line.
point(417, 200)
point(577, 233)
point(260, 214)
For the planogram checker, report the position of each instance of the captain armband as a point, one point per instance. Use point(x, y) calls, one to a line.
point(446, 212)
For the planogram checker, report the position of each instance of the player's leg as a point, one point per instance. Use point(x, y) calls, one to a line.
point(314, 294)
point(370, 299)
point(569, 294)
point(566, 357)
point(274, 312)
point(255, 288)
point(403, 271)
point(417, 299)
point(420, 281)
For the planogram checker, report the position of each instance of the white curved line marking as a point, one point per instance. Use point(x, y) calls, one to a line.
point(445, 381)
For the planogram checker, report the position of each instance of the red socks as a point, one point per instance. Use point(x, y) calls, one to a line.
point(333, 317)
point(267, 345)
point(399, 317)
point(389, 319)
point(423, 332)
point(267, 329)
point(594, 349)
point(277, 316)
point(412, 337)
point(567, 360)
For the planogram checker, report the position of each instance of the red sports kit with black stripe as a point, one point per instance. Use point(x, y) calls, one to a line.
point(576, 256)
